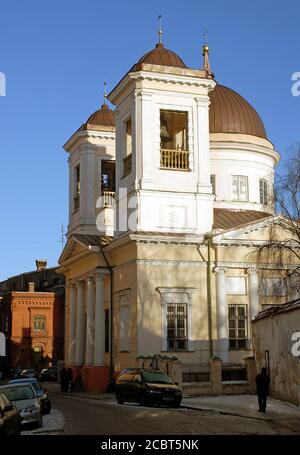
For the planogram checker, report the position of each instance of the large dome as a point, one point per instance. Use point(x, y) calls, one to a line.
point(162, 56)
point(230, 113)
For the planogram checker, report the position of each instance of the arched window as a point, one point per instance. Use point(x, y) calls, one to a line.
point(39, 323)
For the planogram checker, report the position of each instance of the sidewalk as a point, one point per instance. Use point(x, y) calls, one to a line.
point(243, 406)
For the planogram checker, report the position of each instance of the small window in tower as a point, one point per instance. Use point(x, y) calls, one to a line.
point(263, 191)
point(239, 188)
point(128, 148)
point(108, 182)
point(76, 187)
point(213, 183)
point(173, 140)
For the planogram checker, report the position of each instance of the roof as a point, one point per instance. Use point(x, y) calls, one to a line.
point(229, 112)
point(102, 117)
point(278, 309)
point(162, 56)
point(230, 219)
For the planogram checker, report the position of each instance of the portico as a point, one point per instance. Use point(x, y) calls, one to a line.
point(86, 329)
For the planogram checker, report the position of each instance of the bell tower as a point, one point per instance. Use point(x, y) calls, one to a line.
point(162, 146)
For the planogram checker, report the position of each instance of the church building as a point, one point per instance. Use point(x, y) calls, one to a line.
point(169, 195)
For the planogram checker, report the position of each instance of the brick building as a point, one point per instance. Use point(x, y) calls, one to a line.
point(32, 317)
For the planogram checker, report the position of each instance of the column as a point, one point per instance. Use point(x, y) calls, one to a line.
point(222, 314)
point(253, 299)
point(72, 326)
point(79, 356)
point(99, 343)
point(90, 316)
point(203, 158)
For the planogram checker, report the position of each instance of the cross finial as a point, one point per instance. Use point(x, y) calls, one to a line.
point(205, 33)
point(105, 94)
point(160, 32)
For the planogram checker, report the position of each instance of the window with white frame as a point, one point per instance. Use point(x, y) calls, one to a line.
point(177, 326)
point(239, 188)
point(238, 326)
point(263, 191)
point(273, 287)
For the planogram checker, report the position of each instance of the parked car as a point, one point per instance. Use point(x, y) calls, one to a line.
point(147, 387)
point(28, 373)
point(49, 374)
point(41, 392)
point(10, 419)
point(24, 397)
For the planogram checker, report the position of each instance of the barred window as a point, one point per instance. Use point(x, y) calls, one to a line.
point(238, 326)
point(263, 191)
point(177, 326)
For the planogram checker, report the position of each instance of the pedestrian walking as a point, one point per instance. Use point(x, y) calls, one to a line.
point(262, 386)
point(70, 380)
point(63, 380)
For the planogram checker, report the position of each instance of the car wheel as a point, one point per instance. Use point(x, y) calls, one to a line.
point(119, 398)
point(144, 401)
point(176, 404)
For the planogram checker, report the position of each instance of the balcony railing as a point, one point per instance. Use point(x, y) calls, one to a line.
point(108, 198)
point(127, 164)
point(39, 333)
point(174, 159)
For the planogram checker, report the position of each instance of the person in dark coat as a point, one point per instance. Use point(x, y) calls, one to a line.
point(262, 386)
point(63, 380)
point(69, 380)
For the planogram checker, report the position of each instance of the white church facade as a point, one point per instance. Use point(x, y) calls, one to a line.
point(170, 193)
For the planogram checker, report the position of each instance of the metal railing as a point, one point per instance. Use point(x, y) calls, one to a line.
point(39, 333)
point(108, 198)
point(234, 372)
point(198, 372)
point(174, 159)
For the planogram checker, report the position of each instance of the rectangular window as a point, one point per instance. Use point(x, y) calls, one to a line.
point(273, 287)
point(177, 326)
point(76, 187)
point(173, 140)
point(127, 161)
point(39, 323)
point(263, 191)
point(238, 326)
point(213, 183)
point(106, 330)
point(239, 188)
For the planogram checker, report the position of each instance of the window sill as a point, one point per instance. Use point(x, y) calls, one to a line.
point(174, 169)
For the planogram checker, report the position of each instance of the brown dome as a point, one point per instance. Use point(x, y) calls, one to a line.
point(229, 112)
point(104, 117)
point(162, 56)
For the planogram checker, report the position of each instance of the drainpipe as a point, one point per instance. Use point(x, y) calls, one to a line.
point(110, 316)
point(208, 238)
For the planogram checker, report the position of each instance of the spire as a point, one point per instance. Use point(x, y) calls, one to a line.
point(205, 53)
point(160, 31)
point(105, 94)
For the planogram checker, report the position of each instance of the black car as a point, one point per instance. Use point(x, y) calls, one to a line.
point(49, 374)
point(10, 419)
point(147, 387)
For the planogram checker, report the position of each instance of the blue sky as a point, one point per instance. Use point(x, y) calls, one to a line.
point(55, 56)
